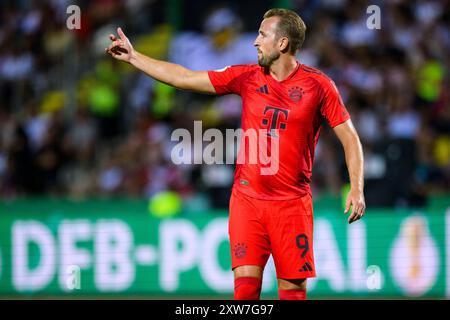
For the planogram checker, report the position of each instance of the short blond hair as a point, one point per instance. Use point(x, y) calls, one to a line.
point(290, 25)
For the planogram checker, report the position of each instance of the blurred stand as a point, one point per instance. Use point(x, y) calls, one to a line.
point(75, 123)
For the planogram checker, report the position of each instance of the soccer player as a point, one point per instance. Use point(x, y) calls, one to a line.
point(272, 214)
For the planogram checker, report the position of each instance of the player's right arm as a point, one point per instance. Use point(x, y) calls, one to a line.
point(169, 73)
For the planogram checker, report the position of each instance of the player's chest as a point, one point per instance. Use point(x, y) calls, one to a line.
point(294, 102)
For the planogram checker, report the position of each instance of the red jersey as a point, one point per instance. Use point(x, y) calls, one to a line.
point(293, 108)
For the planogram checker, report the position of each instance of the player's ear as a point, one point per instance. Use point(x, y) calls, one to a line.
point(283, 44)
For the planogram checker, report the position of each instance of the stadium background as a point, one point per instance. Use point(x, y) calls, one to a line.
point(92, 205)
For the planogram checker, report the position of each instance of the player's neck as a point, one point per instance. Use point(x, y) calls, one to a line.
point(283, 67)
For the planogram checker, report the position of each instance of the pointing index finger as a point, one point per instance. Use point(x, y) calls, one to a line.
point(121, 34)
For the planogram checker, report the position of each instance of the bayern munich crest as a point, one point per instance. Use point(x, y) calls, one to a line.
point(240, 250)
point(296, 93)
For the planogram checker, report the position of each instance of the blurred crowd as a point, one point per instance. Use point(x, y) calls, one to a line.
point(76, 123)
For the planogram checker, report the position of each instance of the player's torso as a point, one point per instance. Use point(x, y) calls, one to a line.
point(288, 106)
point(288, 111)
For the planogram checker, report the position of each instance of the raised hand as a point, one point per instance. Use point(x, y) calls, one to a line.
point(120, 48)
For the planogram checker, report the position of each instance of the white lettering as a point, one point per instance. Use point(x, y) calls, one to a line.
point(71, 232)
point(175, 260)
point(374, 20)
point(25, 233)
point(214, 234)
point(357, 259)
point(74, 20)
point(114, 270)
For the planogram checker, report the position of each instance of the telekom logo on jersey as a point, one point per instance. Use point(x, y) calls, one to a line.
point(256, 147)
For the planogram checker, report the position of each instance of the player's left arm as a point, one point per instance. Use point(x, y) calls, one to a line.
point(354, 158)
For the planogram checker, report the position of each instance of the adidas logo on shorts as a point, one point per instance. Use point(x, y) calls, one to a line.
point(306, 267)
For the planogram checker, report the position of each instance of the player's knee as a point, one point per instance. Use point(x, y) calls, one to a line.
point(248, 271)
point(292, 289)
point(247, 288)
point(292, 284)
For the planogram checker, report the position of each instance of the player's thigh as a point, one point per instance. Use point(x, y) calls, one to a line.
point(291, 235)
point(249, 241)
point(248, 271)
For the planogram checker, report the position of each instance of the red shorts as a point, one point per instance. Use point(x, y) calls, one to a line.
point(283, 228)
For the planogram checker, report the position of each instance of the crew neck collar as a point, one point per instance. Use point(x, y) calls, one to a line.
point(267, 73)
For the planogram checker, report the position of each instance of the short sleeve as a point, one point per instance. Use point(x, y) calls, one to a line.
point(229, 79)
point(332, 107)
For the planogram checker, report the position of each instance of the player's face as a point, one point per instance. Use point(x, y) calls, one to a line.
point(266, 42)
